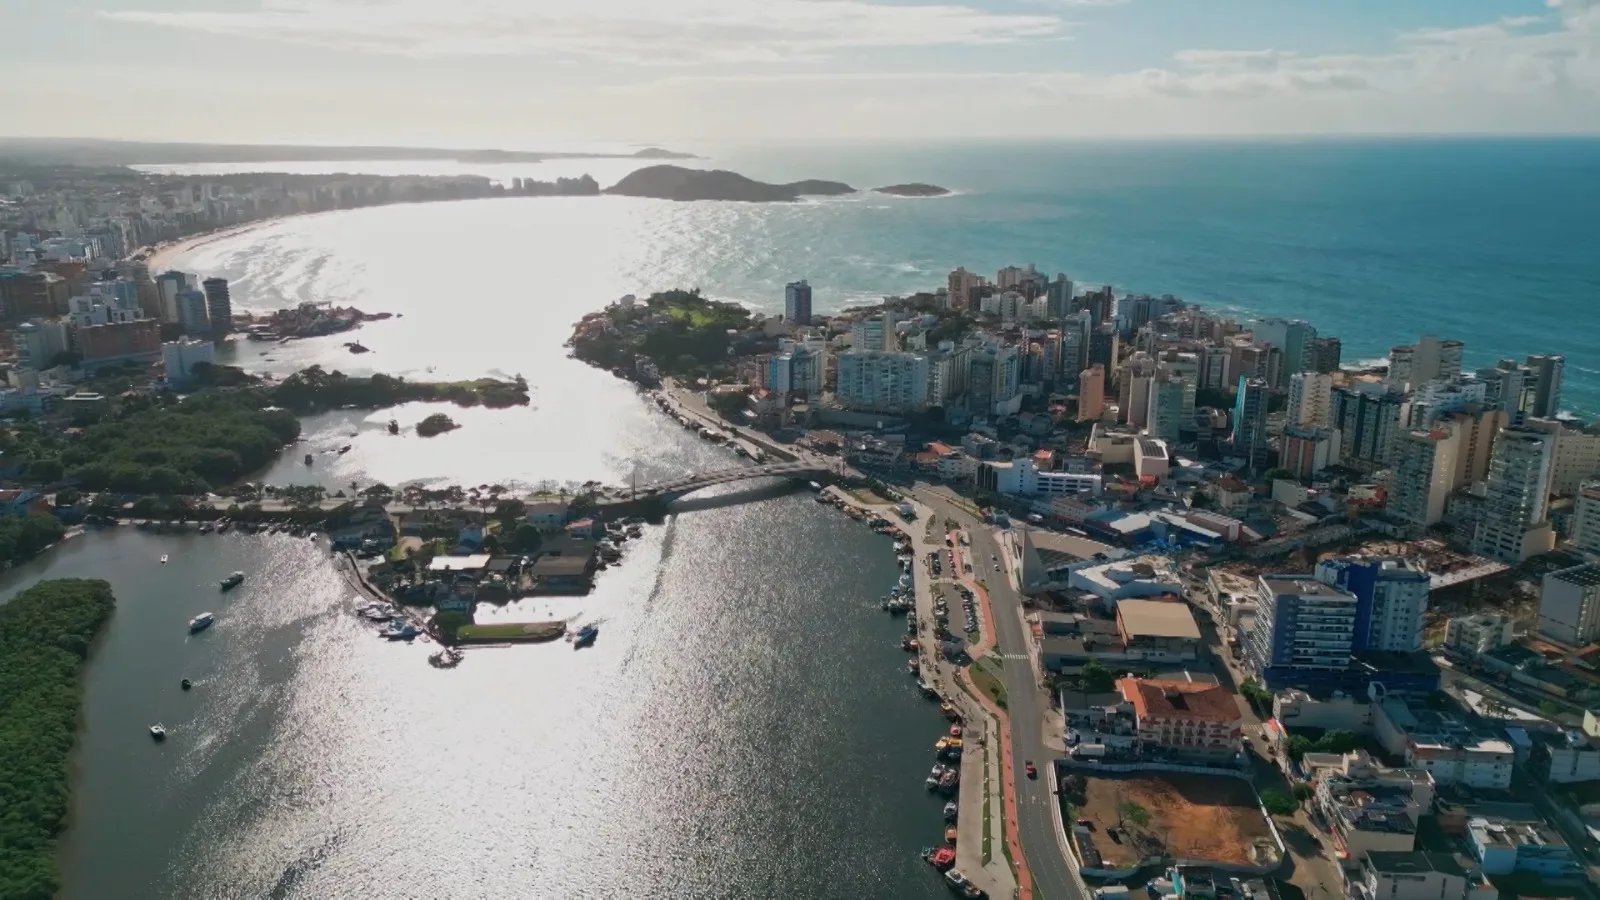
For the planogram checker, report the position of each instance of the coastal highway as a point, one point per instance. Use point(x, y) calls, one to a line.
point(1048, 864)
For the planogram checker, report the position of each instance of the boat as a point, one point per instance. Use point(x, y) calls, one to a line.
point(201, 622)
point(345, 449)
point(223, 525)
point(963, 887)
point(158, 733)
point(940, 858)
point(928, 690)
point(186, 684)
point(308, 459)
point(163, 559)
point(949, 780)
point(232, 581)
point(585, 636)
point(950, 834)
point(377, 615)
point(394, 427)
point(913, 666)
point(400, 632)
point(934, 776)
point(951, 811)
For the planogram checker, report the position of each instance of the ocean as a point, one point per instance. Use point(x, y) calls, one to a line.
point(1491, 242)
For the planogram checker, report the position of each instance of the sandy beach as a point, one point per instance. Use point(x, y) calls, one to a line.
point(160, 256)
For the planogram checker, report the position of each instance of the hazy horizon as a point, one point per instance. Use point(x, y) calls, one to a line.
point(500, 73)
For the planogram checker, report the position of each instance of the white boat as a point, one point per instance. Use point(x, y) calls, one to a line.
point(201, 622)
point(163, 559)
point(158, 733)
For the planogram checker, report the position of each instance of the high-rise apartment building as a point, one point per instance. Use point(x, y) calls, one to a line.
point(1514, 525)
point(1058, 297)
point(874, 333)
point(1250, 422)
point(1569, 605)
point(1577, 454)
point(1586, 519)
point(1325, 355)
point(1293, 340)
point(1368, 418)
point(1477, 427)
point(1546, 371)
point(219, 307)
point(1433, 400)
point(1391, 599)
point(1424, 475)
point(1302, 626)
point(1164, 410)
point(1429, 359)
point(1104, 347)
point(1310, 399)
point(1307, 451)
point(879, 381)
point(797, 302)
point(192, 312)
point(962, 288)
point(1091, 393)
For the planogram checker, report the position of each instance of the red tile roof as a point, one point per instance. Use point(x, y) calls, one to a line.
point(1179, 700)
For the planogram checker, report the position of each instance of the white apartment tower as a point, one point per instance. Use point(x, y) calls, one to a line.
point(1310, 399)
point(1424, 475)
point(1514, 525)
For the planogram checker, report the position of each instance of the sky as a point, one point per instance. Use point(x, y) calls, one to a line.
point(547, 74)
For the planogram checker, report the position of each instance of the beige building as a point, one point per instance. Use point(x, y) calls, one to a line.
point(1424, 475)
point(1092, 393)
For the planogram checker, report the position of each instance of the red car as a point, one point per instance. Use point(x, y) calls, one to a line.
point(1028, 767)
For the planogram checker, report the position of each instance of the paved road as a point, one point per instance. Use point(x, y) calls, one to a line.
point(1025, 706)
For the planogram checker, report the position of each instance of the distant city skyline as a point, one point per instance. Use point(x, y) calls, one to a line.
point(536, 76)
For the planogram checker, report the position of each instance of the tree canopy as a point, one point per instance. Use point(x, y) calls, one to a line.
point(45, 633)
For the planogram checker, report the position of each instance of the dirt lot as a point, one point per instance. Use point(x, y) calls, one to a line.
point(1199, 817)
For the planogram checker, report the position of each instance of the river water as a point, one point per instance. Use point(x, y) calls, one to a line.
point(744, 727)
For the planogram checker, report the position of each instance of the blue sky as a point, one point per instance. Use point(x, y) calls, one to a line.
point(533, 72)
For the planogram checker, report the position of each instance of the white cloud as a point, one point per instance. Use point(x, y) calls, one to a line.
point(652, 32)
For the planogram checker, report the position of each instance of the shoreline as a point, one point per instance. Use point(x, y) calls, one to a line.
point(156, 256)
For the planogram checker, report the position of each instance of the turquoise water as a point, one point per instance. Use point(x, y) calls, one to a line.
point(1492, 242)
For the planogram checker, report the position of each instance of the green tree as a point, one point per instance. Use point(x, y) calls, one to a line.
point(1129, 812)
point(68, 497)
point(1549, 708)
point(526, 538)
point(1300, 745)
point(1096, 678)
point(45, 635)
point(1284, 474)
point(1278, 803)
point(1302, 792)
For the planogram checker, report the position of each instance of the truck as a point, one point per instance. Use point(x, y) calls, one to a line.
point(1089, 751)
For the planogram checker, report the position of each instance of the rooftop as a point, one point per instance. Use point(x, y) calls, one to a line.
point(458, 563)
point(1179, 699)
point(1157, 618)
point(1586, 575)
point(1413, 862)
point(1302, 586)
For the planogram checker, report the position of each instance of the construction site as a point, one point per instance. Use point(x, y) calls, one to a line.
point(1123, 821)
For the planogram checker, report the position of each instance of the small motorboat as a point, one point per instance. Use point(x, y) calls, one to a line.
point(394, 427)
point(158, 733)
point(163, 559)
point(345, 449)
point(951, 810)
point(400, 632)
point(308, 459)
point(186, 684)
point(201, 622)
point(232, 581)
point(585, 636)
point(940, 858)
point(950, 834)
point(962, 886)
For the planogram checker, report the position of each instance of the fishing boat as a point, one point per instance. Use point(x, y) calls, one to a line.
point(186, 684)
point(951, 811)
point(934, 776)
point(345, 449)
point(585, 636)
point(232, 581)
point(158, 733)
point(940, 858)
point(201, 622)
point(963, 887)
point(394, 427)
point(400, 632)
point(308, 459)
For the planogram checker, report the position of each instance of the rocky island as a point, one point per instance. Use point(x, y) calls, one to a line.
point(679, 183)
point(914, 189)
